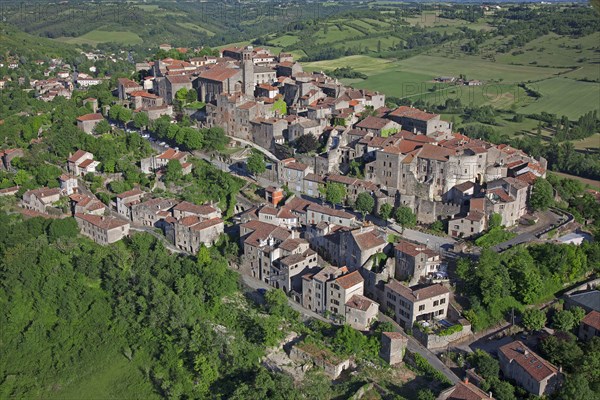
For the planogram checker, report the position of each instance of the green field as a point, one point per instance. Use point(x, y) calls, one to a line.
point(195, 27)
point(99, 36)
point(563, 96)
point(414, 76)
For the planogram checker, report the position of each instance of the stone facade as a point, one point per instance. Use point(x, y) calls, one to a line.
point(103, 230)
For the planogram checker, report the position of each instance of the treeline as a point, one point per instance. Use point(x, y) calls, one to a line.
point(346, 72)
point(498, 283)
point(521, 24)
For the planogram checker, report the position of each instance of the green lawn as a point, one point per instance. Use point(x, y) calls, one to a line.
point(99, 36)
point(564, 96)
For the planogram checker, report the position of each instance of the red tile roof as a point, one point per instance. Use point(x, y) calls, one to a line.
point(78, 154)
point(178, 79)
point(90, 117)
point(372, 122)
point(417, 294)
point(130, 193)
point(359, 302)
point(143, 93)
point(128, 83)
point(369, 240)
point(467, 391)
point(350, 280)
point(219, 74)
point(592, 319)
point(433, 152)
point(534, 365)
point(414, 113)
point(86, 163)
point(102, 222)
point(186, 206)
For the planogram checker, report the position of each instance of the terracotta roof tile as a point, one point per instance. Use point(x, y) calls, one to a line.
point(592, 319)
point(534, 365)
point(350, 280)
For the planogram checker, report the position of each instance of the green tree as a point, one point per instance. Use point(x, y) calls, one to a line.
point(364, 203)
point(193, 139)
point(405, 217)
point(256, 163)
point(215, 139)
point(424, 394)
point(173, 171)
point(534, 319)
point(306, 143)
point(277, 302)
point(562, 349)
point(280, 107)
point(191, 96)
point(102, 127)
point(563, 320)
point(125, 115)
point(181, 95)
point(141, 120)
point(335, 193)
point(385, 211)
point(66, 227)
point(20, 177)
point(495, 221)
point(485, 365)
point(542, 195)
point(577, 387)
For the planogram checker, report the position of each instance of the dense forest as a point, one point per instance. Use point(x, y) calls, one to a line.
point(67, 302)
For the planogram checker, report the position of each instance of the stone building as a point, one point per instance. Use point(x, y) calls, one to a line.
point(68, 184)
point(102, 230)
point(361, 312)
point(393, 347)
point(39, 199)
point(191, 232)
point(589, 326)
point(528, 369)
point(410, 305)
point(127, 199)
point(151, 212)
point(82, 163)
point(415, 262)
point(88, 122)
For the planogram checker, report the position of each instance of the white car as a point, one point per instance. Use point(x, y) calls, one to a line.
point(161, 143)
point(176, 148)
point(145, 136)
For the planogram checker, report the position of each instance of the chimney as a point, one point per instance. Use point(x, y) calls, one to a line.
point(466, 380)
point(490, 394)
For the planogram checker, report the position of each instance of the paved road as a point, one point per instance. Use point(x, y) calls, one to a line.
point(415, 347)
point(547, 220)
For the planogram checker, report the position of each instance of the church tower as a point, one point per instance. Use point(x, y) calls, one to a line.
point(248, 71)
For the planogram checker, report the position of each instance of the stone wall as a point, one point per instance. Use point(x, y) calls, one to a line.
point(436, 342)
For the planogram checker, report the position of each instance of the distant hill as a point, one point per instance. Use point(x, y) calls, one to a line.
point(15, 43)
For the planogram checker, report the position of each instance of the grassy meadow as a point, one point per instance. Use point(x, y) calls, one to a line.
point(101, 36)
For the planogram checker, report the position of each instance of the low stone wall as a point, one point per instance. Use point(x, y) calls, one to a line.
point(322, 358)
point(434, 342)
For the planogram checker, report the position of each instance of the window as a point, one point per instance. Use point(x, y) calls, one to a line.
point(442, 301)
point(422, 308)
point(436, 303)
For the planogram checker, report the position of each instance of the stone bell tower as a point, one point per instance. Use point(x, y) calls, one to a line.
point(248, 71)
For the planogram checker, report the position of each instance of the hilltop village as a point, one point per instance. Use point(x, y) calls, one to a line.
point(320, 225)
